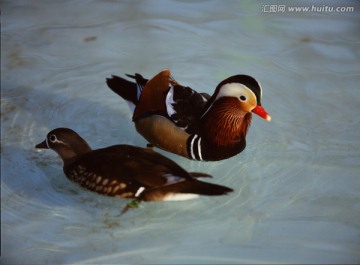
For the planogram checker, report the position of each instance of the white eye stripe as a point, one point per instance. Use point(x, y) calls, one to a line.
point(53, 136)
point(55, 141)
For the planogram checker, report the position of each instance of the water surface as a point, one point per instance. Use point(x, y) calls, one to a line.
point(297, 184)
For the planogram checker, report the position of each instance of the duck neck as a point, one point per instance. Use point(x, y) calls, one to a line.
point(70, 153)
point(225, 124)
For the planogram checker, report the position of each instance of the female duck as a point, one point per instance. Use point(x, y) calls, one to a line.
point(126, 171)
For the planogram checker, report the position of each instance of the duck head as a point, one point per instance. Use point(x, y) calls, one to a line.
point(246, 90)
point(227, 114)
point(67, 143)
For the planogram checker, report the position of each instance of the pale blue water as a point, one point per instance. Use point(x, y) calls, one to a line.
point(297, 185)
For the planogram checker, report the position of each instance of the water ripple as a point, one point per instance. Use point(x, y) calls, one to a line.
point(296, 182)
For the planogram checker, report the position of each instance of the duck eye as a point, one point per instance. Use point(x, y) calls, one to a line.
point(52, 138)
point(242, 98)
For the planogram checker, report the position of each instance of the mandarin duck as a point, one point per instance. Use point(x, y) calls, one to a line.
point(126, 171)
point(194, 125)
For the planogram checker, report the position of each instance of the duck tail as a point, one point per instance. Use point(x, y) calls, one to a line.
point(200, 175)
point(128, 90)
point(202, 188)
point(140, 83)
point(184, 190)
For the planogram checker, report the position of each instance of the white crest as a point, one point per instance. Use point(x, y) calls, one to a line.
point(234, 90)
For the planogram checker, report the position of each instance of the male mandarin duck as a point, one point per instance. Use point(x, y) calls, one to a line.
point(194, 125)
point(126, 171)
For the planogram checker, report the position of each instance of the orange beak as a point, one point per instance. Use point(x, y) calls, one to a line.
point(259, 110)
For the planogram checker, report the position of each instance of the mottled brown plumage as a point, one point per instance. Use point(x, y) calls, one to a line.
point(126, 171)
